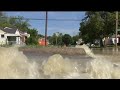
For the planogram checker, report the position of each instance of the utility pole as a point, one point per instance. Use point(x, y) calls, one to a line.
point(46, 28)
point(116, 29)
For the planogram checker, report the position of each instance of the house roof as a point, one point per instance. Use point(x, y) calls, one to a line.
point(1, 31)
point(13, 31)
point(9, 30)
point(21, 32)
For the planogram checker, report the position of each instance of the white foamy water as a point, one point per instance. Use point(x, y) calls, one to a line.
point(57, 65)
point(14, 64)
point(87, 50)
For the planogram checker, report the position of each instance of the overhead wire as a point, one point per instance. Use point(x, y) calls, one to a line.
point(48, 19)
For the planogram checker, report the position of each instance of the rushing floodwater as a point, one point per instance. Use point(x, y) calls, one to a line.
point(104, 64)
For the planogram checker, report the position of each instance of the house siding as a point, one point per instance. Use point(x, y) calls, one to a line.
point(3, 40)
point(113, 40)
point(10, 32)
point(17, 32)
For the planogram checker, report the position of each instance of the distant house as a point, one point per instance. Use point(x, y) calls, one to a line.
point(79, 42)
point(111, 40)
point(114, 38)
point(41, 42)
point(2, 37)
point(12, 36)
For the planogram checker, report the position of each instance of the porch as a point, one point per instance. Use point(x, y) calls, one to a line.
point(12, 39)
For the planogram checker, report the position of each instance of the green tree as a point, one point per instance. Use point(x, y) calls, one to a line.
point(14, 22)
point(66, 39)
point(40, 36)
point(4, 20)
point(22, 24)
point(52, 39)
point(74, 39)
point(56, 39)
point(59, 39)
point(97, 25)
point(33, 39)
point(19, 22)
point(90, 28)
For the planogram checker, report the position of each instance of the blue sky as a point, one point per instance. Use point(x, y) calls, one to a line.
point(65, 27)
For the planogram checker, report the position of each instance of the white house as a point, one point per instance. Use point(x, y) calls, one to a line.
point(12, 36)
point(2, 37)
point(114, 38)
point(111, 40)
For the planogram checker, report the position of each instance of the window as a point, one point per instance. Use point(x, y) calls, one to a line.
point(2, 35)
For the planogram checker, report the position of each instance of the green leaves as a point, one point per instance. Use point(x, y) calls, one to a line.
point(66, 39)
point(33, 39)
point(56, 39)
point(97, 25)
point(20, 23)
point(14, 22)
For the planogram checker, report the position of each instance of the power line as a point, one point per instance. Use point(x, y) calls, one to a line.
point(64, 20)
point(48, 19)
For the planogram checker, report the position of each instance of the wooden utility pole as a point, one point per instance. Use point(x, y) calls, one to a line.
point(46, 28)
point(116, 29)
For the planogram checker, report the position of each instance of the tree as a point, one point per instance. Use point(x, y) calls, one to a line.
point(14, 22)
point(40, 36)
point(19, 22)
point(74, 39)
point(66, 39)
point(97, 25)
point(53, 39)
point(90, 28)
point(4, 20)
point(33, 39)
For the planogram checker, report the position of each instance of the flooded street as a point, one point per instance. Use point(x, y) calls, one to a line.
point(109, 53)
point(96, 64)
point(105, 64)
point(55, 45)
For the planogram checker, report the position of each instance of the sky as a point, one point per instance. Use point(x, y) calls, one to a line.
point(65, 27)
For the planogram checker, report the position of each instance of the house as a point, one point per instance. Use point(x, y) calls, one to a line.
point(111, 40)
point(79, 42)
point(114, 38)
point(12, 36)
point(2, 37)
point(41, 42)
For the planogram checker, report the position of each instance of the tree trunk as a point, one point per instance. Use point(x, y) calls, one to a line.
point(101, 43)
point(106, 42)
point(90, 45)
